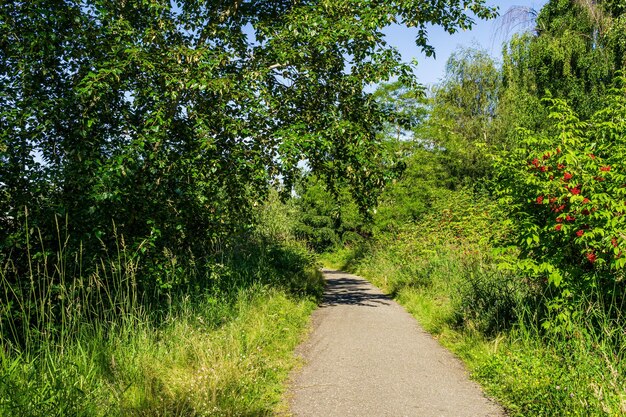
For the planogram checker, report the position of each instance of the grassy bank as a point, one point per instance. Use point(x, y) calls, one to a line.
point(69, 349)
point(444, 270)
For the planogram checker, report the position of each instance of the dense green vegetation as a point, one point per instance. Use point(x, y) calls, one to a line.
point(167, 169)
point(505, 235)
point(94, 346)
point(146, 265)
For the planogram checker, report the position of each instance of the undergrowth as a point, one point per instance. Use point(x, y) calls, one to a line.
point(96, 346)
point(445, 271)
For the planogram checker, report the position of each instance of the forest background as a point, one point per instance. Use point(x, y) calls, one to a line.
point(171, 172)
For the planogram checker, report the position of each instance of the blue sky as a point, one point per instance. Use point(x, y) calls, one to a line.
point(485, 34)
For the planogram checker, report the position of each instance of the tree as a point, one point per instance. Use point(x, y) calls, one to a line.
point(462, 121)
point(170, 120)
point(577, 49)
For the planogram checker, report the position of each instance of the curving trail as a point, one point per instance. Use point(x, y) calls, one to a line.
point(367, 356)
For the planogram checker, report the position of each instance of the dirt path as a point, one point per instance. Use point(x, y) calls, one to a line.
point(367, 356)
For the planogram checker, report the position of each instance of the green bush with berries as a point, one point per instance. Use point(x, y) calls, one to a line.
point(566, 192)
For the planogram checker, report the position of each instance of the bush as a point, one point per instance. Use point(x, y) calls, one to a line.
point(566, 191)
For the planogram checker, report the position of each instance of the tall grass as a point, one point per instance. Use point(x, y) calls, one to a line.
point(95, 345)
point(445, 271)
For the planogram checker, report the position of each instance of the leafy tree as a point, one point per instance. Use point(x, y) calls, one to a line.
point(405, 108)
point(170, 120)
point(326, 218)
point(574, 54)
point(520, 102)
point(461, 125)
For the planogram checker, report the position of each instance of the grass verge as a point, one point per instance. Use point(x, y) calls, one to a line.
point(443, 271)
point(220, 352)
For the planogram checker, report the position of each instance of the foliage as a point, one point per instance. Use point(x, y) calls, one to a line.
point(520, 104)
point(97, 346)
point(566, 192)
point(461, 124)
point(576, 50)
point(405, 108)
point(326, 219)
point(171, 120)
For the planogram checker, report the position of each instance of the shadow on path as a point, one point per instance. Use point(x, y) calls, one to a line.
point(345, 290)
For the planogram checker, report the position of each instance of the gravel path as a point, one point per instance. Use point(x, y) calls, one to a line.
point(366, 356)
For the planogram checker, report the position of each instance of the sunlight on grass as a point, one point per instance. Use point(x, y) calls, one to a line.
point(452, 285)
point(71, 349)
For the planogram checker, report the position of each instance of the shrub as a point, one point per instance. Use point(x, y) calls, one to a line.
point(566, 191)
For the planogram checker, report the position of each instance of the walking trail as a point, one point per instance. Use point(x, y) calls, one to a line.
point(366, 356)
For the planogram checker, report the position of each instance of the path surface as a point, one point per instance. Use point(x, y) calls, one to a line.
point(366, 356)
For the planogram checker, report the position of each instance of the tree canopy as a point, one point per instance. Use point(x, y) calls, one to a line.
point(171, 119)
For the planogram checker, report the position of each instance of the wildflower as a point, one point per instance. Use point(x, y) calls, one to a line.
point(543, 168)
point(586, 200)
point(558, 227)
point(580, 233)
point(574, 190)
point(560, 166)
point(591, 257)
point(540, 199)
point(535, 162)
point(606, 168)
point(567, 176)
point(570, 218)
point(559, 219)
point(592, 156)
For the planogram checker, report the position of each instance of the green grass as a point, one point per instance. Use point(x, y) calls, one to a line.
point(182, 367)
point(487, 316)
point(89, 346)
